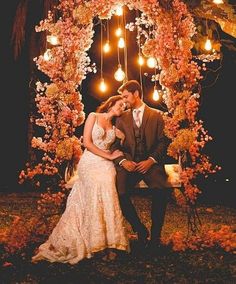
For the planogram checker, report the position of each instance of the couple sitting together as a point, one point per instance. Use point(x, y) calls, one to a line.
point(115, 158)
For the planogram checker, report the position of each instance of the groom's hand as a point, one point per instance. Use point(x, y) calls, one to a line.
point(143, 166)
point(129, 166)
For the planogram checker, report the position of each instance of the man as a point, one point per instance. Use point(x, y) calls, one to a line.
point(144, 151)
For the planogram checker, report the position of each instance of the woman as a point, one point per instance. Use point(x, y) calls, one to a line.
point(92, 220)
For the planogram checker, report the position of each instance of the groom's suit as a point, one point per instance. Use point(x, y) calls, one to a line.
point(140, 143)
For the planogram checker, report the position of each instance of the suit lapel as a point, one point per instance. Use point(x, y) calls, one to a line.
point(146, 115)
point(129, 131)
point(129, 124)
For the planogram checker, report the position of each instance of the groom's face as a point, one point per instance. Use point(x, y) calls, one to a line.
point(129, 98)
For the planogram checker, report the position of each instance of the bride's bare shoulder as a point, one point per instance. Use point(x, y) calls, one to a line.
point(91, 117)
point(92, 113)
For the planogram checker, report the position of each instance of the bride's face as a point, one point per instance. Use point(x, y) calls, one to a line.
point(118, 108)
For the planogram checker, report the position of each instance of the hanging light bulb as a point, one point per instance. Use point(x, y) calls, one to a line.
point(151, 62)
point(156, 94)
point(119, 11)
point(218, 1)
point(47, 55)
point(119, 74)
point(121, 42)
point(106, 47)
point(140, 60)
point(53, 40)
point(102, 85)
point(208, 45)
point(118, 32)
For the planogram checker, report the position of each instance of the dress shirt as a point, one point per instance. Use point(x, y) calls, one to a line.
point(141, 109)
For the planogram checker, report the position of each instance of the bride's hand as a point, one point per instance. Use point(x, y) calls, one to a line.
point(116, 154)
point(120, 135)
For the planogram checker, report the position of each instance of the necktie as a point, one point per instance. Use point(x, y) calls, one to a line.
point(137, 117)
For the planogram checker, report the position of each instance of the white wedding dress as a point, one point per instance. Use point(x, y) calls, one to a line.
point(92, 220)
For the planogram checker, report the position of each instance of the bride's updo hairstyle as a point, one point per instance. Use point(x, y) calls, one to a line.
point(110, 102)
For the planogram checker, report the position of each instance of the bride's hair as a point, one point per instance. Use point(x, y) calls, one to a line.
point(110, 102)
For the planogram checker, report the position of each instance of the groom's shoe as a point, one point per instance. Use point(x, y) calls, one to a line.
point(155, 247)
point(143, 235)
point(139, 246)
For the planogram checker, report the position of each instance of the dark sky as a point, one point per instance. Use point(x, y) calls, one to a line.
point(217, 108)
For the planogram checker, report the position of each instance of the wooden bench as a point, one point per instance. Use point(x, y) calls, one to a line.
point(173, 172)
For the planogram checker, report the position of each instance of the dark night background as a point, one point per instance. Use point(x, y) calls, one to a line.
point(217, 111)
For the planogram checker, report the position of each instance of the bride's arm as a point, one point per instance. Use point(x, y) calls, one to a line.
point(88, 142)
point(120, 135)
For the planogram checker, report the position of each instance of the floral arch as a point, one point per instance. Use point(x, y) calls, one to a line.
point(60, 103)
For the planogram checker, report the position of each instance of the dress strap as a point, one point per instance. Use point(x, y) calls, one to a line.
point(96, 117)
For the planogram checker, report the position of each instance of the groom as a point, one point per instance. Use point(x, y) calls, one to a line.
point(144, 151)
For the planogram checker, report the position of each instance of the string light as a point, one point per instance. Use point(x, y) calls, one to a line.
point(47, 55)
point(208, 45)
point(140, 60)
point(119, 74)
point(156, 94)
point(102, 85)
point(119, 11)
point(140, 57)
point(125, 48)
point(121, 42)
point(218, 1)
point(119, 32)
point(151, 62)
point(52, 39)
point(106, 47)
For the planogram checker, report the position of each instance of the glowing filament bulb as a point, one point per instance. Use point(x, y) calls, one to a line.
point(218, 1)
point(106, 47)
point(151, 62)
point(102, 86)
point(140, 60)
point(121, 43)
point(119, 74)
point(53, 40)
point(119, 11)
point(118, 32)
point(47, 55)
point(208, 45)
point(156, 95)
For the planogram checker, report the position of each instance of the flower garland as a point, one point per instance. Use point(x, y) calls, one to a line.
point(59, 102)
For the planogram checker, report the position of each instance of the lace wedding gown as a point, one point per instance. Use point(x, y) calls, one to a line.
point(92, 220)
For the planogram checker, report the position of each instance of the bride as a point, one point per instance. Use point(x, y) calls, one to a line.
point(92, 220)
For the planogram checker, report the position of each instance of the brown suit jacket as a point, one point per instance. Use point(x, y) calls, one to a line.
point(152, 130)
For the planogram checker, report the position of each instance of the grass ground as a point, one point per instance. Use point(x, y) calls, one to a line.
point(212, 265)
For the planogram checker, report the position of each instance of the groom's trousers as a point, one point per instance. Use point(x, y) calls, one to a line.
point(155, 178)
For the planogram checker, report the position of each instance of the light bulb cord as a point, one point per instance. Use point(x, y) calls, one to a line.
point(101, 71)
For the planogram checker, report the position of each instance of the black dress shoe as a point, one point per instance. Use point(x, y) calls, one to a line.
point(139, 246)
point(155, 247)
point(143, 235)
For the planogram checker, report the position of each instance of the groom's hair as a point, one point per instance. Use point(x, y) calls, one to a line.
point(131, 86)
